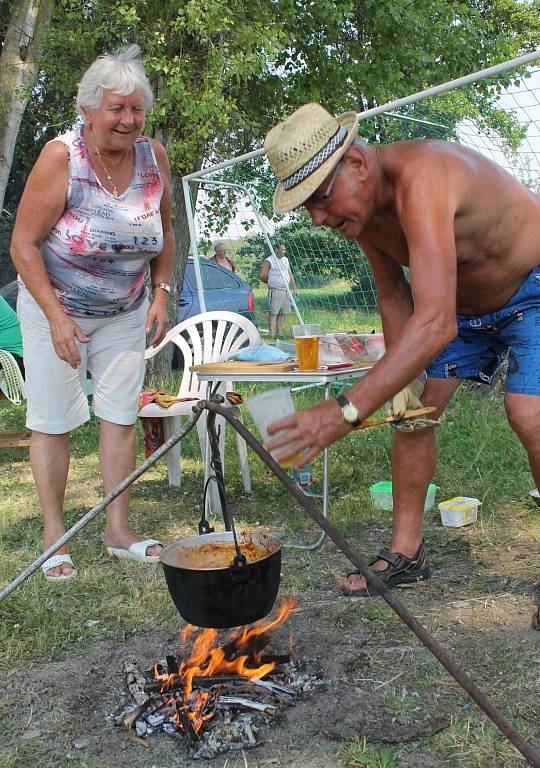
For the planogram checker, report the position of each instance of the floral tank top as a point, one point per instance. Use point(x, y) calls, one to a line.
point(97, 253)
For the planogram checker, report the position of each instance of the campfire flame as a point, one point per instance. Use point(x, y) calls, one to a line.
point(239, 656)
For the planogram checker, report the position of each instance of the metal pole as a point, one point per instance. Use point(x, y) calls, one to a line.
point(440, 653)
point(409, 119)
point(397, 103)
point(120, 488)
point(193, 240)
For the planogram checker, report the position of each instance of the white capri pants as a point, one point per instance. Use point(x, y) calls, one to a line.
point(114, 356)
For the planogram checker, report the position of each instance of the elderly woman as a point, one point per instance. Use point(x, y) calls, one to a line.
point(221, 258)
point(94, 216)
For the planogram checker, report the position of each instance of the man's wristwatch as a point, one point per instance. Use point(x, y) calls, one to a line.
point(348, 411)
point(163, 286)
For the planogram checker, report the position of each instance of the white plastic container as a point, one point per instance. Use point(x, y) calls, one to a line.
point(381, 496)
point(459, 511)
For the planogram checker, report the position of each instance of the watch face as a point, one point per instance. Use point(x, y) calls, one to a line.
point(350, 412)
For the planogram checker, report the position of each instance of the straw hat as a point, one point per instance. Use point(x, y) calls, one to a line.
point(304, 149)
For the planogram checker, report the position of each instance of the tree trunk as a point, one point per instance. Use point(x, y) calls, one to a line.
point(158, 368)
point(19, 62)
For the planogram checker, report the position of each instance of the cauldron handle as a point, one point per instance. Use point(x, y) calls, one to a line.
point(215, 464)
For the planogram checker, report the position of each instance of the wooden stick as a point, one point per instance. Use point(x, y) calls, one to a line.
point(392, 419)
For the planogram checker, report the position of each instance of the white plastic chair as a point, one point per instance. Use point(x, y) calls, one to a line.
point(203, 339)
point(11, 379)
point(13, 389)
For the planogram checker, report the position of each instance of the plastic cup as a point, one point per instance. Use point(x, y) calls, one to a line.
point(308, 329)
point(306, 339)
point(268, 407)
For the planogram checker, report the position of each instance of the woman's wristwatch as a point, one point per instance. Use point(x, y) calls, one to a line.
point(163, 286)
point(348, 411)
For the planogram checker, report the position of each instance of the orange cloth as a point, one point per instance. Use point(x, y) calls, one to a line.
point(161, 398)
point(152, 426)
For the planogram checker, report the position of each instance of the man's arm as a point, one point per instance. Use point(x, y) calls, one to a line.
point(293, 281)
point(394, 297)
point(265, 269)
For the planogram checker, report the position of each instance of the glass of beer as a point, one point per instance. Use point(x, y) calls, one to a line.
point(268, 407)
point(306, 339)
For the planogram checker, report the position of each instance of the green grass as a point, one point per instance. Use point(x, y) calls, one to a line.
point(357, 754)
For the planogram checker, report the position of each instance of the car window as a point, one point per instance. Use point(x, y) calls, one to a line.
point(215, 277)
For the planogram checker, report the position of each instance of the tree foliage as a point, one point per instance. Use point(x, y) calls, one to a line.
point(225, 71)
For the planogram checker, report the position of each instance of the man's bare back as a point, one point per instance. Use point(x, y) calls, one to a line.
point(496, 220)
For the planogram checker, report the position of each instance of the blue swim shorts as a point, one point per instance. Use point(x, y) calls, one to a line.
point(483, 341)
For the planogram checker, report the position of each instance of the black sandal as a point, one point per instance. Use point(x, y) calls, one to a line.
point(400, 570)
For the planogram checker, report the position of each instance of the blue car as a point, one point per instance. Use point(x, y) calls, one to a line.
point(223, 290)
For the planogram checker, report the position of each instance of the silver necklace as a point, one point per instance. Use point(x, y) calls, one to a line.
point(110, 179)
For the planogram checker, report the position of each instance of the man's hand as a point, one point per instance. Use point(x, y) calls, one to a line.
point(157, 320)
point(315, 429)
point(408, 399)
point(64, 334)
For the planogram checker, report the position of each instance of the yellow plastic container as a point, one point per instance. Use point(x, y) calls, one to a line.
point(459, 511)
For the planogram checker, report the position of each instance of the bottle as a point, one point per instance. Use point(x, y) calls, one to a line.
point(304, 476)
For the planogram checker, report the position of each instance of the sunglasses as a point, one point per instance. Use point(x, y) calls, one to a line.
point(321, 200)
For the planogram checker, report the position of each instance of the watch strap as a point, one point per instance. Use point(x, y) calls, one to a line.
point(163, 286)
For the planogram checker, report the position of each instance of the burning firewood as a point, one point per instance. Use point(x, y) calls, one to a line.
point(214, 695)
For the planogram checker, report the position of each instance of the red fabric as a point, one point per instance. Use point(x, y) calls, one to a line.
point(231, 262)
point(153, 435)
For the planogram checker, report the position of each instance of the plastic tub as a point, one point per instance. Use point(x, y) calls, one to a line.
point(459, 511)
point(381, 495)
point(353, 347)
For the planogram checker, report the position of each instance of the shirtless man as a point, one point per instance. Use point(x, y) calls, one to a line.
point(470, 234)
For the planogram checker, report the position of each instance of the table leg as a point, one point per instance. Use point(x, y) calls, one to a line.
point(317, 544)
point(212, 505)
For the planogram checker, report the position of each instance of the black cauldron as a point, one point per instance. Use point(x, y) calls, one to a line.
point(209, 591)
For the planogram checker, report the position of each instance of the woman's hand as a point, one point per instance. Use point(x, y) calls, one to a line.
point(157, 320)
point(315, 429)
point(64, 334)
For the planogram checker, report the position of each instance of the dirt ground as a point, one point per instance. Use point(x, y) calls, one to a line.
point(380, 683)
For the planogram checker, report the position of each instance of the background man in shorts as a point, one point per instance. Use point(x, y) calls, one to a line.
point(276, 272)
point(470, 234)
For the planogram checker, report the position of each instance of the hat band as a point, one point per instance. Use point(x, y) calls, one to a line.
point(316, 161)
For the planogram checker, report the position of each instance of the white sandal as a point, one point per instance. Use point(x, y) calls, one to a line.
point(136, 551)
point(54, 562)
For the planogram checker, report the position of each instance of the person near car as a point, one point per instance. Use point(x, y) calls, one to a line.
point(94, 217)
point(221, 258)
point(10, 333)
point(277, 274)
